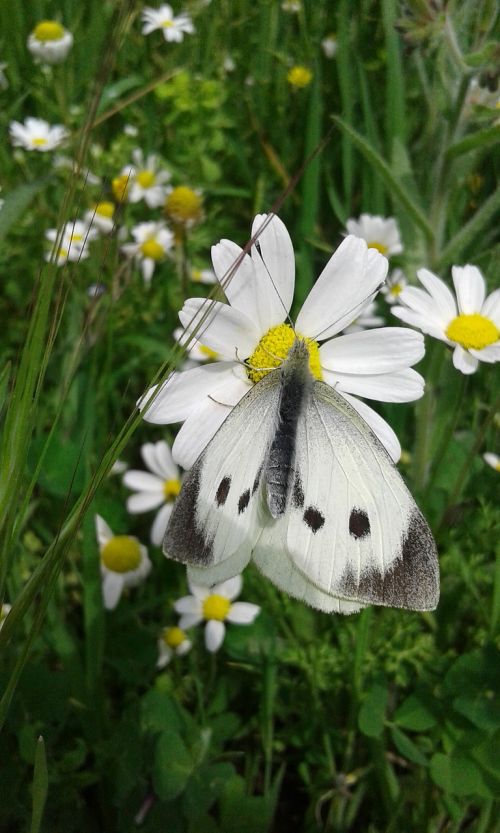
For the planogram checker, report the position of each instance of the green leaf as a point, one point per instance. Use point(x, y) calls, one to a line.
point(372, 712)
point(63, 470)
point(471, 231)
point(160, 712)
point(413, 714)
point(204, 787)
point(407, 748)
point(474, 141)
point(172, 765)
point(16, 203)
point(40, 785)
point(240, 813)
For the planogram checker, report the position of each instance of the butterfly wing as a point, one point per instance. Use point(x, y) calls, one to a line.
point(352, 530)
point(216, 518)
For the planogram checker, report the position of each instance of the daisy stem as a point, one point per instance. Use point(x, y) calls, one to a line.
point(181, 261)
point(425, 414)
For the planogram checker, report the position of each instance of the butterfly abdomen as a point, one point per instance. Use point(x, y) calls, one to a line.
point(296, 384)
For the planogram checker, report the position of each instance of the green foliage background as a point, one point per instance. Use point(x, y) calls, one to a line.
point(383, 721)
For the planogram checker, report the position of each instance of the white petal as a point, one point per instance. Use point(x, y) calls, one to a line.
point(439, 292)
point(373, 351)
point(214, 635)
point(379, 426)
point(189, 620)
point(188, 604)
point(470, 288)
point(400, 386)
point(198, 591)
point(242, 613)
point(231, 588)
point(491, 308)
point(182, 392)
point(103, 531)
point(165, 461)
point(489, 354)
point(224, 329)
point(346, 285)
point(144, 502)
point(142, 481)
point(112, 586)
point(165, 654)
point(274, 263)
point(160, 524)
point(418, 319)
point(235, 271)
point(183, 648)
point(463, 360)
point(493, 460)
point(148, 268)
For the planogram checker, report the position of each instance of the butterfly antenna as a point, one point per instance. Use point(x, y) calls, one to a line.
point(359, 306)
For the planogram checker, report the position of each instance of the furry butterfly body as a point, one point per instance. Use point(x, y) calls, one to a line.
point(297, 481)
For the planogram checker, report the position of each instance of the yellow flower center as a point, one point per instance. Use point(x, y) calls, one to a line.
point(216, 607)
point(380, 247)
point(396, 289)
point(299, 77)
point(183, 205)
point(208, 352)
point(145, 178)
point(473, 332)
point(77, 238)
point(167, 23)
point(173, 637)
point(151, 248)
point(62, 252)
point(274, 347)
point(48, 30)
point(196, 275)
point(121, 554)
point(120, 186)
point(171, 489)
point(39, 141)
point(105, 209)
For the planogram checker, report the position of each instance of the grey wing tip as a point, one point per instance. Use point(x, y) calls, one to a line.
point(184, 540)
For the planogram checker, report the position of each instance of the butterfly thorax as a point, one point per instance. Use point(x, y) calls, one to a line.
point(296, 385)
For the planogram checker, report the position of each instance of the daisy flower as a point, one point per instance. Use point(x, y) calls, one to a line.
point(101, 216)
point(184, 206)
point(381, 233)
point(215, 606)
point(124, 562)
point(72, 242)
point(394, 286)
point(468, 321)
point(206, 276)
point(366, 319)
point(375, 364)
point(493, 460)
point(155, 488)
point(153, 241)
point(291, 6)
point(329, 46)
point(172, 642)
point(50, 42)
point(37, 134)
point(146, 180)
point(173, 28)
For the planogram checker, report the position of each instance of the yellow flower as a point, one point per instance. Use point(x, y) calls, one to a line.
point(184, 206)
point(299, 77)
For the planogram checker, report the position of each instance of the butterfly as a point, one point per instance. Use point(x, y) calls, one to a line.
point(295, 480)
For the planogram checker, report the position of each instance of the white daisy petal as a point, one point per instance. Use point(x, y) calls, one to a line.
point(400, 386)
point(103, 531)
point(214, 635)
point(189, 620)
point(112, 587)
point(379, 426)
point(182, 392)
point(242, 613)
point(346, 285)
point(240, 287)
point(160, 524)
point(489, 354)
point(463, 360)
point(200, 591)
point(373, 351)
point(165, 462)
point(440, 294)
point(183, 648)
point(418, 319)
point(470, 288)
point(142, 481)
point(491, 308)
point(165, 654)
point(144, 501)
point(274, 262)
point(493, 460)
point(231, 588)
point(149, 455)
point(188, 604)
point(226, 330)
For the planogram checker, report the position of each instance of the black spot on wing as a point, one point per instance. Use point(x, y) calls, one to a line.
point(313, 518)
point(256, 481)
point(411, 581)
point(243, 501)
point(223, 491)
point(184, 540)
point(298, 492)
point(359, 523)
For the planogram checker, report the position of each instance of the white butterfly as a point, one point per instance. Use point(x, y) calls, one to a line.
point(296, 480)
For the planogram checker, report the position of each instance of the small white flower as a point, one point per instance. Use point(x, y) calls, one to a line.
point(4, 612)
point(368, 318)
point(196, 351)
point(101, 217)
point(469, 322)
point(95, 290)
point(131, 130)
point(375, 364)
point(206, 276)
point(173, 28)
point(157, 487)
point(4, 83)
point(493, 460)
point(124, 562)
point(215, 606)
point(381, 233)
point(329, 46)
point(73, 240)
point(228, 64)
point(50, 42)
point(145, 180)
point(291, 6)
point(37, 134)
point(153, 242)
point(394, 286)
point(118, 467)
point(172, 642)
